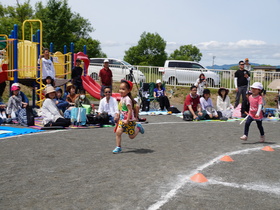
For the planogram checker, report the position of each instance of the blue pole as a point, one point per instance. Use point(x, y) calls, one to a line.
point(15, 52)
point(72, 51)
point(34, 82)
point(51, 47)
point(64, 49)
point(38, 51)
point(85, 49)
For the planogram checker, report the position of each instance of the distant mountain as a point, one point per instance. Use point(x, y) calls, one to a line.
point(228, 66)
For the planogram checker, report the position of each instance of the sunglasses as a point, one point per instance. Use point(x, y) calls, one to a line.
point(107, 92)
point(241, 64)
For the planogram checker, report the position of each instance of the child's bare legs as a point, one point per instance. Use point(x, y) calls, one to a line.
point(135, 133)
point(119, 136)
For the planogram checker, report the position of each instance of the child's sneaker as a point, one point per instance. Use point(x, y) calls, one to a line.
point(117, 150)
point(262, 139)
point(244, 137)
point(141, 129)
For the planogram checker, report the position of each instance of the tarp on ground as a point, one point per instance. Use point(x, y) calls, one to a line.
point(11, 131)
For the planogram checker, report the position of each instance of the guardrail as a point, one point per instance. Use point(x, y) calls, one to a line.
point(187, 77)
point(225, 78)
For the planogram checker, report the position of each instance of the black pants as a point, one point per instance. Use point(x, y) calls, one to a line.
point(248, 123)
point(241, 92)
point(164, 102)
point(2, 88)
point(60, 122)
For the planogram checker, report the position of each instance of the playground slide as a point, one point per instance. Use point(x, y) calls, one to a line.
point(93, 88)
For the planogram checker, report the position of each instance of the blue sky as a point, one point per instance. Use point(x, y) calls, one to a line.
point(230, 30)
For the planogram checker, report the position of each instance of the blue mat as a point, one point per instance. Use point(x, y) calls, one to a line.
point(11, 131)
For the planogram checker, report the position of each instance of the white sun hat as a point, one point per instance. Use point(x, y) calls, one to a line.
point(257, 85)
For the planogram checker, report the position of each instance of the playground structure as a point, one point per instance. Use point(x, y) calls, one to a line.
point(19, 62)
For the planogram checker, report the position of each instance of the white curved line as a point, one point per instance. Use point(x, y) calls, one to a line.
point(164, 199)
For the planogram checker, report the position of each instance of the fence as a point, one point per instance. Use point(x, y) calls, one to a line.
point(216, 78)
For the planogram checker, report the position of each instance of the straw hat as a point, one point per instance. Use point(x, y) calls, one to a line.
point(49, 89)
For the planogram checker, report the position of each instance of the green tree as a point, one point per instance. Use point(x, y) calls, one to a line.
point(60, 25)
point(149, 51)
point(14, 15)
point(186, 52)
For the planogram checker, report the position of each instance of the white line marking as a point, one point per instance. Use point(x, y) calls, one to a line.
point(30, 134)
point(164, 199)
point(249, 186)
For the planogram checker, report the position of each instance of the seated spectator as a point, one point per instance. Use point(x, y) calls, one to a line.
point(23, 96)
point(159, 92)
point(207, 105)
point(15, 103)
point(277, 100)
point(50, 113)
point(82, 99)
point(67, 91)
point(223, 103)
point(71, 99)
point(49, 81)
point(109, 104)
point(72, 96)
point(192, 109)
point(60, 102)
point(2, 89)
point(245, 105)
point(3, 116)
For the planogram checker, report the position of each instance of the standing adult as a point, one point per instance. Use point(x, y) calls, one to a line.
point(76, 76)
point(247, 65)
point(105, 77)
point(47, 66)
point(109, 105)
point(241, 81)
point(192, 108)
point(200, 84)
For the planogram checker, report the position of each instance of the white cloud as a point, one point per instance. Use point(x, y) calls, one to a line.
point(257, 51)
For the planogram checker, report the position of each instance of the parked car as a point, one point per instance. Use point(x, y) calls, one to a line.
point(119, 68)
point(186, 72)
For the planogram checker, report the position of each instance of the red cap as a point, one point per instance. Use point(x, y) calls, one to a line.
point(14, 88)
point(129, 83)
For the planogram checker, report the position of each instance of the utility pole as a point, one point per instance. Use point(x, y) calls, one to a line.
point(213, 61)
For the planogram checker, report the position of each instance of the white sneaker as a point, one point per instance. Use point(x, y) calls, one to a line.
point(244, 137)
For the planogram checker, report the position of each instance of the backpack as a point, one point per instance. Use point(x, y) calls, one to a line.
point(173, 109)
point(25, 116)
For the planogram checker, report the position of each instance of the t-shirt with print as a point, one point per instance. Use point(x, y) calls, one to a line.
point(48, 68)
point(159, 92)
point(124, 109)
point(254, 104)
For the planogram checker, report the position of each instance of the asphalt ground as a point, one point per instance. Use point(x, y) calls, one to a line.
point(76, 169)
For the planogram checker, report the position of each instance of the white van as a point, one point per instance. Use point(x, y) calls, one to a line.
point(119, 68)
point(187, 72)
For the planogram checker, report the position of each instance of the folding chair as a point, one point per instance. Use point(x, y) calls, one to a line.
point(146, 93)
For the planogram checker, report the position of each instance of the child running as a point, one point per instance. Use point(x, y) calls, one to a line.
point(126, 117)
point(255, 111)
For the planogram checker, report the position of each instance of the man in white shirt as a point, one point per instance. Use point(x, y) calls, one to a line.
point(109, 104)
